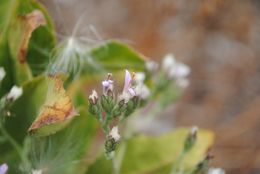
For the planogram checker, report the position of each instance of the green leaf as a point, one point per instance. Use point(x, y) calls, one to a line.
point(26, 45)
point(114, 55)
point(145, 154)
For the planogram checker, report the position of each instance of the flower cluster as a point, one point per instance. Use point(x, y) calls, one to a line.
point(110, 108)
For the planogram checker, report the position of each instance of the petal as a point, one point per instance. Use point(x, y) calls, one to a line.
point(128, 80)
point(3, 168)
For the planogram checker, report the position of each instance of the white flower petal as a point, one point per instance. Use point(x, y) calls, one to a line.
point(139, 77)
point(216, 171)
point(168, 62)
point(15, 93)
point(151, 66)
point(114, 133)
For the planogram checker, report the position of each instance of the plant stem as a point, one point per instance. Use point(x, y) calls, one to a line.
point(116, 169)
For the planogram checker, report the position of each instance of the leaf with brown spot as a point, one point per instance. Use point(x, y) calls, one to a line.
point(23, 28)
point(56, 112)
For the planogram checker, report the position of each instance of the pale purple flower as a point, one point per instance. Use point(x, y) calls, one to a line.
point(128, 91)
point(3, 168)
point(108, 84)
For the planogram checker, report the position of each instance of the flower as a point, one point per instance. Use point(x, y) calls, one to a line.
point(114, 134)
point(216, 171)
point(93, 97)
point(36, 171)
point(14, 93)
point(142, 91)
point(151, 66)
point(179, 70)
point(107, 84)
point(3, 168)
point(168, 62)
point(128, 91)
point(2, 73)
point(173, 68)
point(139, 77)
point(182, 82)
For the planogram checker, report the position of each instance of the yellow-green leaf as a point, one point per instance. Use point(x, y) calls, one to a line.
point(56, 112)
point(146, 154)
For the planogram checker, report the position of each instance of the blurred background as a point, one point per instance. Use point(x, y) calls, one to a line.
point(218, 39)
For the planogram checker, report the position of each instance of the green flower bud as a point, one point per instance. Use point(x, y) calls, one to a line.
point(119, 109)
point(107, 103)
point(94, 109)
point(131, 105)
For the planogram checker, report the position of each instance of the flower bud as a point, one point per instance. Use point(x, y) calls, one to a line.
point(119, 109)
point(93, 98)
point(107, 103)
point(131, 105)
point(112, 141)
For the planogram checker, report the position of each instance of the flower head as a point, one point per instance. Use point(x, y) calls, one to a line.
point(141, 89)
point(3, 168)
point(173, 68)
point(108, 84)
point(93, 98)
point(14, 93)
point(2, 73)
point(114, 134)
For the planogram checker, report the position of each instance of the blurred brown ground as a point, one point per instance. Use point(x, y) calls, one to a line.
point(219, 39)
